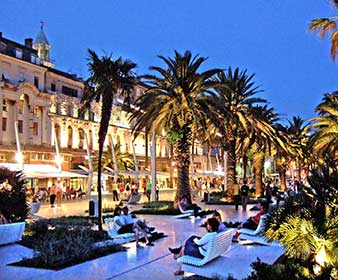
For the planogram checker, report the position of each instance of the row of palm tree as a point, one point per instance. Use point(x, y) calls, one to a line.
point(191, 105)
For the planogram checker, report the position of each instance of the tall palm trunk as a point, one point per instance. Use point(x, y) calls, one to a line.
point(245, 166)
point(299, 169)
point(282, 168)
point(99, 186)
point(182, 159)
point(258, 161)
point(231, 180)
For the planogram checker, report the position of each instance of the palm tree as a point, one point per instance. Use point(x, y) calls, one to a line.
point(307, 224)
point(297, 130)
point(282, 153)
point(324, 26)
point(123, 160)
point(107, 78)
point(325, 140)
point(263, 136)
point(233, 103)
point(176, 102)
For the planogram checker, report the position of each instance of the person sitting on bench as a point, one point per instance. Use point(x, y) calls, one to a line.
point(253, 221)
point(196, 246)
point(135, 227)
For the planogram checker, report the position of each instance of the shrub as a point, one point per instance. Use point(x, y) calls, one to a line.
point(13, 195)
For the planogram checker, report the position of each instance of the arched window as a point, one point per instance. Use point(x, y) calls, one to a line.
point(58, 134)
point(90, 139)
point(81, 138)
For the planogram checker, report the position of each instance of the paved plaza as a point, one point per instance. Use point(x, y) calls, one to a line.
point(142, 263)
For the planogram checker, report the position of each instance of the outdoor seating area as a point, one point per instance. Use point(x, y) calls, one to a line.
point(150, 257)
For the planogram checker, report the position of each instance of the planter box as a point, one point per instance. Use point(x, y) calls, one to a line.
point(10, 233)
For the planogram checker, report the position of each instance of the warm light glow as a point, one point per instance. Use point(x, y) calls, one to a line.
point(58, 160)
point(321, 257)
point(19, 158)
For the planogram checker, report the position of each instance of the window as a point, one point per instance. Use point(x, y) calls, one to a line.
point(53, 87)
point(36, 81)
point(4, 124)
point(35, 129)
point(18, 53)
point(20, 126)
point(4, 105)
point(69, 91)
point(20, 107)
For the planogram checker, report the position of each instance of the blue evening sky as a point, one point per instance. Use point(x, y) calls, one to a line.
point(268, 37)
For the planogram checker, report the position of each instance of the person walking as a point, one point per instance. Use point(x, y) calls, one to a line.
point(244, 194)
point(52, 195)
point(114, 189)
point(149, 186)
point(59, 193)
point(237, 197)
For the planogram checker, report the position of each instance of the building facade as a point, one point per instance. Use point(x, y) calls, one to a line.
point(40, 109)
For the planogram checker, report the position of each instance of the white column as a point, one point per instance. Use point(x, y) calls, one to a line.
point(153, 167)
point(90, 164)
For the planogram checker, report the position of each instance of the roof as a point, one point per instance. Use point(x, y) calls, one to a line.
point(41, 38)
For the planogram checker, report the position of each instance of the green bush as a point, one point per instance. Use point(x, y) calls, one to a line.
point(13, 195)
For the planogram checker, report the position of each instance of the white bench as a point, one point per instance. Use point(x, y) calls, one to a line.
point(134, 198)
point(34, 207)
point(10, 233)
point(119, 238)
point(185, 213)
point(216, 247)
point(255, 235)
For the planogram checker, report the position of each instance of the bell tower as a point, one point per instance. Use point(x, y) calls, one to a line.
point(43, 47)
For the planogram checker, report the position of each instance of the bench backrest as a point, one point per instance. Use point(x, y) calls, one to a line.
point(10, 233)
point(218, 245)
point(134, 198)
point(110, 226)
point(184, 211)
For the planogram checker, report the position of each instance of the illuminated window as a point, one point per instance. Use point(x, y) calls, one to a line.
point(20, 107)
point(35, 128)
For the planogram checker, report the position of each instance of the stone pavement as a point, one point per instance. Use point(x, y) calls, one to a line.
point(144, 263)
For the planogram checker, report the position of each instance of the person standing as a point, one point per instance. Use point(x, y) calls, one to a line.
point(59, 193)
point(244, 194)
point(52, 195)
point(149, 186)
point(114, 189)
point(237, 197)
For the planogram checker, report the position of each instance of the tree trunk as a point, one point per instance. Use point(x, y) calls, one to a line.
point(258, 161)
point(282, 178)
point(282, 168)
point(231, 181)
point(182, 159)
point(299, 169)
point(245, 166)
point(99, 187)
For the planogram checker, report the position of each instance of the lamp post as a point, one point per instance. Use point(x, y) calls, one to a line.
point(18, 156)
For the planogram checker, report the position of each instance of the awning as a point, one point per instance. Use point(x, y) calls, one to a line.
point(40, 171)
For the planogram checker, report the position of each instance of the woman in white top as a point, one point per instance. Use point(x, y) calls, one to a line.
point(196, 246)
